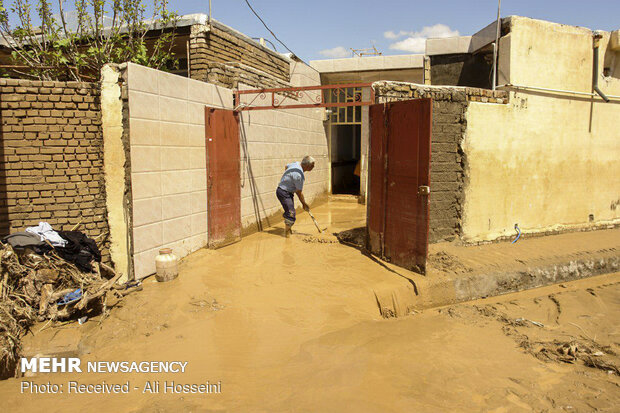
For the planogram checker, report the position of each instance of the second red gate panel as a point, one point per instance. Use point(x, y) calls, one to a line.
point(398, 206)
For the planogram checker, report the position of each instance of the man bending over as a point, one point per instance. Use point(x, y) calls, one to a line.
point(292, 182)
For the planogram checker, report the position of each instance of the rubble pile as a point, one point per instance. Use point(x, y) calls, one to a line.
point(39, 287)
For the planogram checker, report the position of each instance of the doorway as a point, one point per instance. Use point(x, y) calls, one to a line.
point(345, 132)
point(345, 156)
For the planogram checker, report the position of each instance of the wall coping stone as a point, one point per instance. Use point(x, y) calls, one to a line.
point(450, 93)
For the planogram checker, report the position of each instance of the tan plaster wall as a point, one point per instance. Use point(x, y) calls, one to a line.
point(543, 161)
point(168, 162)
point(114, 169)
point(272, 138)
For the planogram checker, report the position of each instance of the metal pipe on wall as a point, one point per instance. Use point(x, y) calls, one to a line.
point(496, 44)
point(595, 76)
point(189, 64)
point(209, 13)
point(545, 89)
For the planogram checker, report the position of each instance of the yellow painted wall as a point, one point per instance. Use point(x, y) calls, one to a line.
point(543, 161)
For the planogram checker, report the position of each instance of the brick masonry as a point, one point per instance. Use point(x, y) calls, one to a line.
point(225, 57)
point(232, 74)
point(448, 162)
point(51, 157)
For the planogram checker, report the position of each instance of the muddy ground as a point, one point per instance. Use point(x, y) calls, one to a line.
point(292, 326)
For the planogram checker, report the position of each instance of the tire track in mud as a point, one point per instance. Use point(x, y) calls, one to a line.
point(558, 307)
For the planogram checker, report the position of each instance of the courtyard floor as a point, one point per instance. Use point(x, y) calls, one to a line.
point(293, 325)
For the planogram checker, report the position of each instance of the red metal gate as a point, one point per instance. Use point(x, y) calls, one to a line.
point(398, 201)
point(223, 177)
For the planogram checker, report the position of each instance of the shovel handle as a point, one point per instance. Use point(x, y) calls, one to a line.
point(316, 224)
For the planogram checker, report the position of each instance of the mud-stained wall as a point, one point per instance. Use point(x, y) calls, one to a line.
point(272, 138)
point(168, 162)
point(545, 161)
point(51, 157)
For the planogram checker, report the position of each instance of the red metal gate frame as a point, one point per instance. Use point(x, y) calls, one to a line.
point(299, 93)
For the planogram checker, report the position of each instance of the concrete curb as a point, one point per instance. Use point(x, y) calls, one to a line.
point(424, 293)
point(492, 284)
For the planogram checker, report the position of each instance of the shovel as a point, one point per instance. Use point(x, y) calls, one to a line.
point(316, 224)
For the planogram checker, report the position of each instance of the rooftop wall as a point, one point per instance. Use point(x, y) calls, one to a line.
point(222, 56)
point(369, 63)
point(461, 70)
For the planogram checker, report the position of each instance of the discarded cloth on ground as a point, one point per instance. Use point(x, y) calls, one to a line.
point(79, 250)
point(21, 240)
point(45, 231)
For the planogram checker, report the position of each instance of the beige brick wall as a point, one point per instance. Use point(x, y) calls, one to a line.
point(275, 138)
point(168, 162)
point(51, 160)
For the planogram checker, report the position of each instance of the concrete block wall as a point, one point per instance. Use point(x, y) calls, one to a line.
point(272, 138)
point(447, 169)
point(51, 157)
point(460, 70)
point(168, 162)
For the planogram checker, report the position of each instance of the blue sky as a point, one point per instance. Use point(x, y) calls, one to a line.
point(320, 29)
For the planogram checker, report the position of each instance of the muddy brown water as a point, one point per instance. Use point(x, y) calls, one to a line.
point(287, 325)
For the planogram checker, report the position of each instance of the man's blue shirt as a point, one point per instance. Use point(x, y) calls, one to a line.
point(293, 178)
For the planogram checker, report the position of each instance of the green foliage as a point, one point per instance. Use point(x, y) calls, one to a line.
point(105, 31)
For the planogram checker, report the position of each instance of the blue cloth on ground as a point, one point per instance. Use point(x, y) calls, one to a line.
point(71, 297)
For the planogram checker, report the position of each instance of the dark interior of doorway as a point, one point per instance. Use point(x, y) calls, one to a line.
point(345, 156)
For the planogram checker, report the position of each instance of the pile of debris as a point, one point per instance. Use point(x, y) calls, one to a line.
point(40, 281)
point(588, 352)
point(355, 237)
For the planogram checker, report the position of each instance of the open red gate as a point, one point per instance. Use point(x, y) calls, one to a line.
point(399, 172)
point(223, 177)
